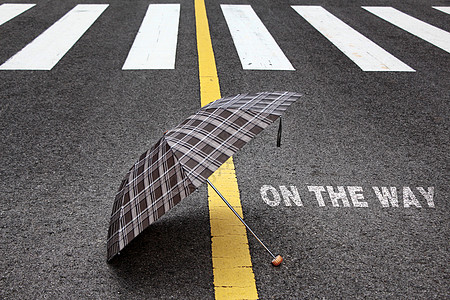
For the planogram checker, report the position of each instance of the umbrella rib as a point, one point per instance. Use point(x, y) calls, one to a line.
point(179, 142)
point(257, 115)
point(209, 134)
point(251, 102)
point(239, 130)
point(123, 228)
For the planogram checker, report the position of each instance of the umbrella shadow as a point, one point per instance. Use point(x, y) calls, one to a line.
point(168, 258)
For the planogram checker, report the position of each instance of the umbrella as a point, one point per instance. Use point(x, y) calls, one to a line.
point(183, 159)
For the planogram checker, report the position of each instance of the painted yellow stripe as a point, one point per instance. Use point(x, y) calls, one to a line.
point(232, 266)
point(209, 82)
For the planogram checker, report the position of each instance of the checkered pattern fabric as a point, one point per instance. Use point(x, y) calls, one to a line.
point(185, 157)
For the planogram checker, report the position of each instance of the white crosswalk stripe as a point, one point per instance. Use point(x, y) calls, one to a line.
point(156, 42)
point(9, 11)
point(365, 53)
point(445, 9)
point(47, 49)
point(255, 45)
point(425, 31)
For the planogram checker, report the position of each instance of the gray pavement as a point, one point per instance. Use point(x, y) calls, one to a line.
point(70, 134)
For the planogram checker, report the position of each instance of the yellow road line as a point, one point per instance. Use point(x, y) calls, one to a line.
point(232, 266)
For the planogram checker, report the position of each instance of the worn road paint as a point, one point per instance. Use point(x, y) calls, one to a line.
point(48, 48)
point(436, 36)
point(155, 45)
point(232, 266)
point(362, 51)
point(349, 196)
point(9, 11)
point(445, 9)
point(256, 47)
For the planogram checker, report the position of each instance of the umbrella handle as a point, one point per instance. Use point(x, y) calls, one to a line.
point(277, 261)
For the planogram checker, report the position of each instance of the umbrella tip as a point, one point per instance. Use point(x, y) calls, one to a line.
point(277, 261)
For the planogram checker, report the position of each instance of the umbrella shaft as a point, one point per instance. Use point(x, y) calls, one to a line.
point(239, 217)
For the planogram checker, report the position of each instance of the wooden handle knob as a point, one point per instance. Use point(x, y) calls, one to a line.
point(277, 261)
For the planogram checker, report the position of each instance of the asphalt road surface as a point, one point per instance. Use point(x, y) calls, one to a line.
point(366, 151)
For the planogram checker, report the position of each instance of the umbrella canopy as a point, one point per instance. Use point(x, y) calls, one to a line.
point(185, 157)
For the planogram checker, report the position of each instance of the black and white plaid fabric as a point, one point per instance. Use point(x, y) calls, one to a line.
point(185, 157)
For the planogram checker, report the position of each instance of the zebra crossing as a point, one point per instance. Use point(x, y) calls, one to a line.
point(445, 9)
point(155, 43)
point(256, 47)
point(362, 51)
point(47, 49)
point(427, 32)
point(9, 11)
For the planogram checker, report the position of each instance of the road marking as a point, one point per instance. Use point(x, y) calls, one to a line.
point(362, 51)
point(155, 45)
point(445, 9)
point(348, 196)
point(256, 47)
point(232, 266)
point(425, 31)
point(48, 48)
point(9, 11)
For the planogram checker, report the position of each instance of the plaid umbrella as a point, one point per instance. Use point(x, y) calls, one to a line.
point(185, 157)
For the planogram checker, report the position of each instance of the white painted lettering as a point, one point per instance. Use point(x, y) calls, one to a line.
point(276, 196)
point(318, 192)
point(290, 195)
point(428, 195)
point(355, 193)
point(350, 196)
point(385, 196)
point(409, 198)
point(339, 195)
